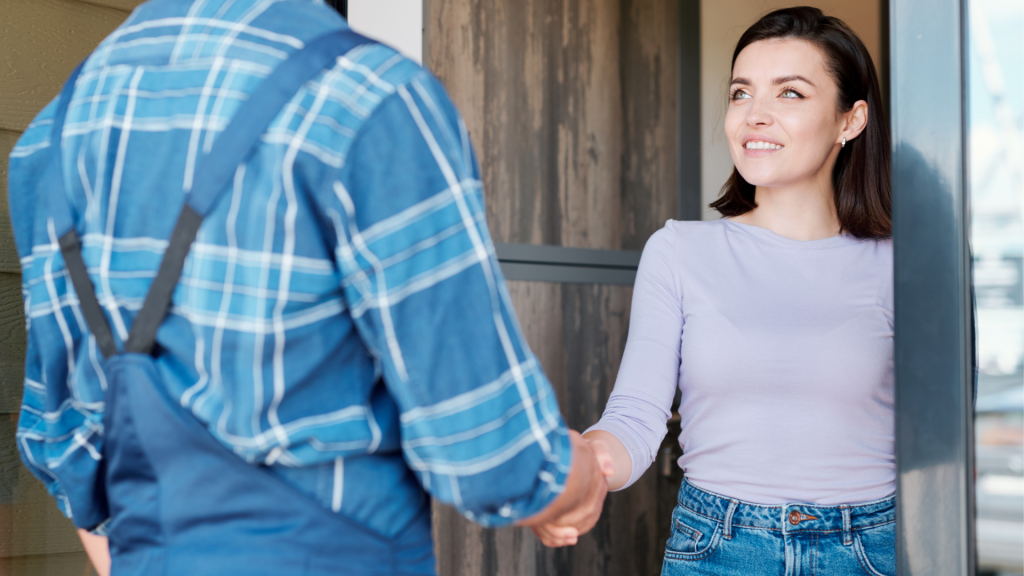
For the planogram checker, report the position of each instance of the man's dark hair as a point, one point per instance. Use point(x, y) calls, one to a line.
point(861, 178)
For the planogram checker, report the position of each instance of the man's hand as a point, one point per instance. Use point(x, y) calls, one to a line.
point(577, 510)
point(98, 550)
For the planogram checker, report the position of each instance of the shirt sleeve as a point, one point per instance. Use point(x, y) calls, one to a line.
point(29, 158)
point(60, 425)
point(480, 424)
point(641, 402)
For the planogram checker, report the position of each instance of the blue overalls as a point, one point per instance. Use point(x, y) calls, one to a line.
point(179, 502)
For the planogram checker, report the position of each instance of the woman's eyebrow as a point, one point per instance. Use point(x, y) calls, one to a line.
point(792, 78)
point(780, 80)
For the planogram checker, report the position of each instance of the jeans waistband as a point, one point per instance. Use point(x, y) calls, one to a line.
point(787, 518)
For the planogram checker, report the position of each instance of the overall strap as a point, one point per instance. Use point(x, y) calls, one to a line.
point(63, 220)
point(213, 175)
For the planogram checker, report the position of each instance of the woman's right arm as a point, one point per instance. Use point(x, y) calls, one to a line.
point(634, 421)
point(620, 457)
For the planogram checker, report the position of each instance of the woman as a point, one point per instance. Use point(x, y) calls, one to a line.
point(776, 324)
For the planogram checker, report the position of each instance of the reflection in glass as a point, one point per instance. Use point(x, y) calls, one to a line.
point(996, 128)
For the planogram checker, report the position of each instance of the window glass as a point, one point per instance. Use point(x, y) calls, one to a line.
point(996, 133)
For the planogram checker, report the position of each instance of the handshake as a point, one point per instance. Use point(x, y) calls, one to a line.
point(577, 509)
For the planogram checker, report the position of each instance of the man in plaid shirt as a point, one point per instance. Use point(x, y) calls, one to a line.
point(340, 328)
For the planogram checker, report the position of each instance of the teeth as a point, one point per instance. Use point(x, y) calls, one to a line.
point(758, 145)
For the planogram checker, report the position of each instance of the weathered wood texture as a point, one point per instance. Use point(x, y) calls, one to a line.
point(572, 106)
point(41, 41)
point(578, 333)
point(8, 252)
point(12, 343)
point(30, 523)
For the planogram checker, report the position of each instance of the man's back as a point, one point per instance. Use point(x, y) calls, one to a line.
point(340, 319)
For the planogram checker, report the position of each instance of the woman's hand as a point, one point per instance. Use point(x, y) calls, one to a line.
point(615, 451)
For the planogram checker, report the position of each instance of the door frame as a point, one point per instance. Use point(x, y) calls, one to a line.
point(932, 275)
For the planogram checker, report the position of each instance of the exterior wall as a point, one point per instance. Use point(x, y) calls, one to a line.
point(722, 24)
point(572, 108)
point(40, 42)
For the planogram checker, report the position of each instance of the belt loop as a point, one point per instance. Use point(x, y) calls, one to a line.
point(727, 531)
point(847, 529)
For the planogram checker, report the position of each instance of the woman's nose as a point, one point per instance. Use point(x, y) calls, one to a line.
point(758, 114)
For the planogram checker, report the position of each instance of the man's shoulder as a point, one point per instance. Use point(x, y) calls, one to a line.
point(373, 72)
point(255, 36)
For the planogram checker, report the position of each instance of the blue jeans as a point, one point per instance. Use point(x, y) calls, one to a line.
point(715, 535)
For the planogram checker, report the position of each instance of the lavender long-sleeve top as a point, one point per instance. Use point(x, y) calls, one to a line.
point(783, 351)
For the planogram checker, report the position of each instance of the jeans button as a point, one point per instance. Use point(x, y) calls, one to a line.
point(794, 518)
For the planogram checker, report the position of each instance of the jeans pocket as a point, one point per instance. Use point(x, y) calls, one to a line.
point(694, 536)
point(688, 538)
point(876, 549)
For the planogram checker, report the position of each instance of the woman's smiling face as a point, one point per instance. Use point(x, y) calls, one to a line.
point(783, 122)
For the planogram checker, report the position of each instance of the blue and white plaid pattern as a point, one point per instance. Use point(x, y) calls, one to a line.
point(341, 317)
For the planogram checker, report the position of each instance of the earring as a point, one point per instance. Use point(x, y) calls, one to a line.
point(843, 145)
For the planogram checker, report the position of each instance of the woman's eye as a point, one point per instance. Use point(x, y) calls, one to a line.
point(740, 95)
point(791, 94)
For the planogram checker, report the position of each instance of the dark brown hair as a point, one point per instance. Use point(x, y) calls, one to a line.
point(861, 177)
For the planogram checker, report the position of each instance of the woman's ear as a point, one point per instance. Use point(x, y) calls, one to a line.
point(855, 120)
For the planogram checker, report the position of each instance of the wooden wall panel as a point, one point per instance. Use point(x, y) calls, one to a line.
point(571, 105)
point(8, 251)
point(572, 108)
point(67, 564)
point(578, 333)
point(649, 59)
point(12, 343)
point(30, 523)
point(41, 41)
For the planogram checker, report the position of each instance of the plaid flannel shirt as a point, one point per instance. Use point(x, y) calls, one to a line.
point(341, 318)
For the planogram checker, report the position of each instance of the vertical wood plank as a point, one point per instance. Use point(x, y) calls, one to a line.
point(650, 61)
point(572, 107)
